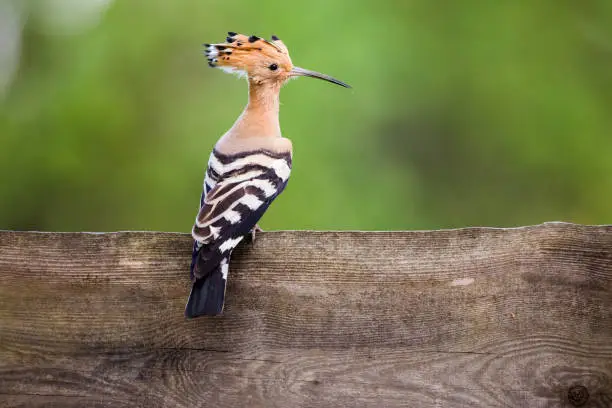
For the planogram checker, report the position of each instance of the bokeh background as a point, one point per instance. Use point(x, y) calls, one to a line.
point(461, 113)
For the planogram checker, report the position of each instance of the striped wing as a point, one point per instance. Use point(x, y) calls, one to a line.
point(245, 185)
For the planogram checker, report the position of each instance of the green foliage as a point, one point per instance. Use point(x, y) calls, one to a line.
point(461, 113)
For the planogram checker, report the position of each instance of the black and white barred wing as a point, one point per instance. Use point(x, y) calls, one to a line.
point(246, 186)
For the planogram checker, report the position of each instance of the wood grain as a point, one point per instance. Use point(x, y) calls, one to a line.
point(455, 318)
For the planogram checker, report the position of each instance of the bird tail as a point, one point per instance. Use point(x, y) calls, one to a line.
point(207, 295)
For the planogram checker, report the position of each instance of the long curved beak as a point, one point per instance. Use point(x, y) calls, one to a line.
point(297, 71)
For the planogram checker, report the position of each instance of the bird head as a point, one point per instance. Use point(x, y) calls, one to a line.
point(262, 61)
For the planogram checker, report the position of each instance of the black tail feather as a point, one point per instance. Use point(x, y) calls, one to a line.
point(207, 295)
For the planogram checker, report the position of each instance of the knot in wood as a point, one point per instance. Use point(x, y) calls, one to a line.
point(578, 395)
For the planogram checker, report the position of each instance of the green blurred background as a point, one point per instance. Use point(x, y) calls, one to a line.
point(461, 113)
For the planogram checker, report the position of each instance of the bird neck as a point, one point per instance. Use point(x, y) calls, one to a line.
point(264, 98)
point(260, 117)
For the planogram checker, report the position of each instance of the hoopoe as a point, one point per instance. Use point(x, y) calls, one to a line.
point(248, 167)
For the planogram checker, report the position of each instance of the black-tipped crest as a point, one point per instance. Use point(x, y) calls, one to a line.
point(250, 54)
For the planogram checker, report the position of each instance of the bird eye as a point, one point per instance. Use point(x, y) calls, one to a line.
point(273, 67)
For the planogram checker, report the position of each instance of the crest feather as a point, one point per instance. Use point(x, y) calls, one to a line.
point(240, 51)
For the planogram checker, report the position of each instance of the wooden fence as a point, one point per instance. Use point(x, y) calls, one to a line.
point(477, 317)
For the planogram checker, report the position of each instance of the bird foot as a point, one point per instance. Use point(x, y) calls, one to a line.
point(255, 230)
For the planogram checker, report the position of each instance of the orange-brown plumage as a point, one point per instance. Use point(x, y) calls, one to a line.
point(267, 65)
point(252, 56)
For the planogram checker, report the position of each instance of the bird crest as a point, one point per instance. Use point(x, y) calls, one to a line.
point(262, 61)
point(249, 55)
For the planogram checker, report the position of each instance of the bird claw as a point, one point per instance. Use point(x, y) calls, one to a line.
point(255, 230)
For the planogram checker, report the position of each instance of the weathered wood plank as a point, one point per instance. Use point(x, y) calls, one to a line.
point(471, 317)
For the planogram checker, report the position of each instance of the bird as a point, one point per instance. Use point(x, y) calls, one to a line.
point(249, 166)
